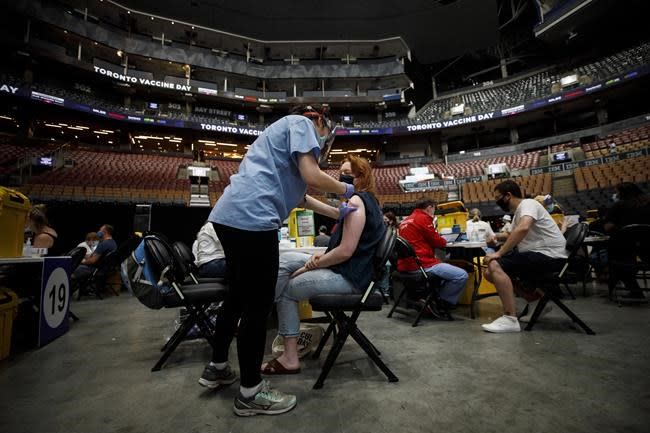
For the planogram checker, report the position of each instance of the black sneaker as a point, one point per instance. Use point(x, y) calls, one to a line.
point(212, 378)
point(267, 401)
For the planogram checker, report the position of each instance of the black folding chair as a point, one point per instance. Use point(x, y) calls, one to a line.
point(76, 254)
point(97, 279)
point(629, 259)
point(193, 297)
point(186, 258)
point(414, 282)
point(548, 284)
point(336, 306)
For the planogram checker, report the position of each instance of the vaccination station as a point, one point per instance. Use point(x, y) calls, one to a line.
point(342, 217)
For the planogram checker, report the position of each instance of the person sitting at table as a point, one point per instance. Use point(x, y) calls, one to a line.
point(631, 206)
point(43, 236)
point(209, 257)
point(507, 224)
point(479, 230)
point(345, 267)
point(106, 245)
point(418, 230)
point(90, 243)
point(534, 245)
point(323, 239)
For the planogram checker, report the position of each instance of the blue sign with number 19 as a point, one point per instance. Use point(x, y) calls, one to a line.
point(55, 299)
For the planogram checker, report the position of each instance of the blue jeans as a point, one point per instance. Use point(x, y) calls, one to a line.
point(213, 269)
point(454, 280)
point(289, 291)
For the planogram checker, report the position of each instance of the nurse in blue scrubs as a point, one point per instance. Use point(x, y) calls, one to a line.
point(272, 180)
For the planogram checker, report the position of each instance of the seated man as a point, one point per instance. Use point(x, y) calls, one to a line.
point(322, 240)
point(345, 268)
point(419, 231)
point(89, 264)
point(534, 246)
point(208, 253)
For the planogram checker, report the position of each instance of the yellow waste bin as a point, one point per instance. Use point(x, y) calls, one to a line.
point(14, 207)
point(8, 304)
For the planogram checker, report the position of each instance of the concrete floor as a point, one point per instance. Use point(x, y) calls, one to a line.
point(453, 378)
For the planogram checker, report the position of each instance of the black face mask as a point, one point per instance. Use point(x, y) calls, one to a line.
point(503, 205)
point(346, 178)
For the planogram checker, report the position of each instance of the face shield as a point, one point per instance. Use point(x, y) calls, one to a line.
point(327, 145)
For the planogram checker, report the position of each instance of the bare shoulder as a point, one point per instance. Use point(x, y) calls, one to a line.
point(356, 201)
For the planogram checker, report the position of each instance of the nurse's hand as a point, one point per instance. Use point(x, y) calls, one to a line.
point(349, 190)
point(298, 272)
point(344, 210)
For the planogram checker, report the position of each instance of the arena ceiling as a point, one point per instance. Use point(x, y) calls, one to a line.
point(433, 29)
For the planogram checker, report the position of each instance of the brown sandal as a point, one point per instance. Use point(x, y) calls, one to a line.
point(273, 367)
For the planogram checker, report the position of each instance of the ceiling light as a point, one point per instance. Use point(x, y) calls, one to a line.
point(151, 18)
point(192, 27)
point(172, 23)
point(119, 53)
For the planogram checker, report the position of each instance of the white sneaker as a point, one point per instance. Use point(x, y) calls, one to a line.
point(503, 324)
point(531, 309)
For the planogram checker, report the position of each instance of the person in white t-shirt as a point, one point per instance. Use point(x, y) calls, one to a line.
point(90, 243)
point(208, 253)
point(507, 224)
point(534, 245)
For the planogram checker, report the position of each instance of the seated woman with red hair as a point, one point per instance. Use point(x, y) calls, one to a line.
point(345, 268)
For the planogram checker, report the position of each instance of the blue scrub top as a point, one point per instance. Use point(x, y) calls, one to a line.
point(268, 184)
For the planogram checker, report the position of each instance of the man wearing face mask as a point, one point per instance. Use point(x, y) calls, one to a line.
point(535, 244)
point(272, 180)
point(88, 264)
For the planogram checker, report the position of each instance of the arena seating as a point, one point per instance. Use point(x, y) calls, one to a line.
point(476, 167)
point(625, 141)
point(10, 153)
point(635, 170)
point(483, 192)
point(478, 100)
point(485, 99)
point(110, 176)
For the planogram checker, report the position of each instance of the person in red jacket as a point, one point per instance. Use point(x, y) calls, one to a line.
point(419, 231)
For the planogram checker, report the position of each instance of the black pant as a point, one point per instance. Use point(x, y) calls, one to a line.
point(252, 260)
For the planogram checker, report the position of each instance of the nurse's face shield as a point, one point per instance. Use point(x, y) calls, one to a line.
point(324, 152)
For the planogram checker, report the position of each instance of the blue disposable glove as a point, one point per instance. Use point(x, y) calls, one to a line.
point(344, 210)
point(349, 191)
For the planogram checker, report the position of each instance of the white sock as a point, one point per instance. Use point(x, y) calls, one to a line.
point(250, 392)
point(219, 365)
point(513, 318)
